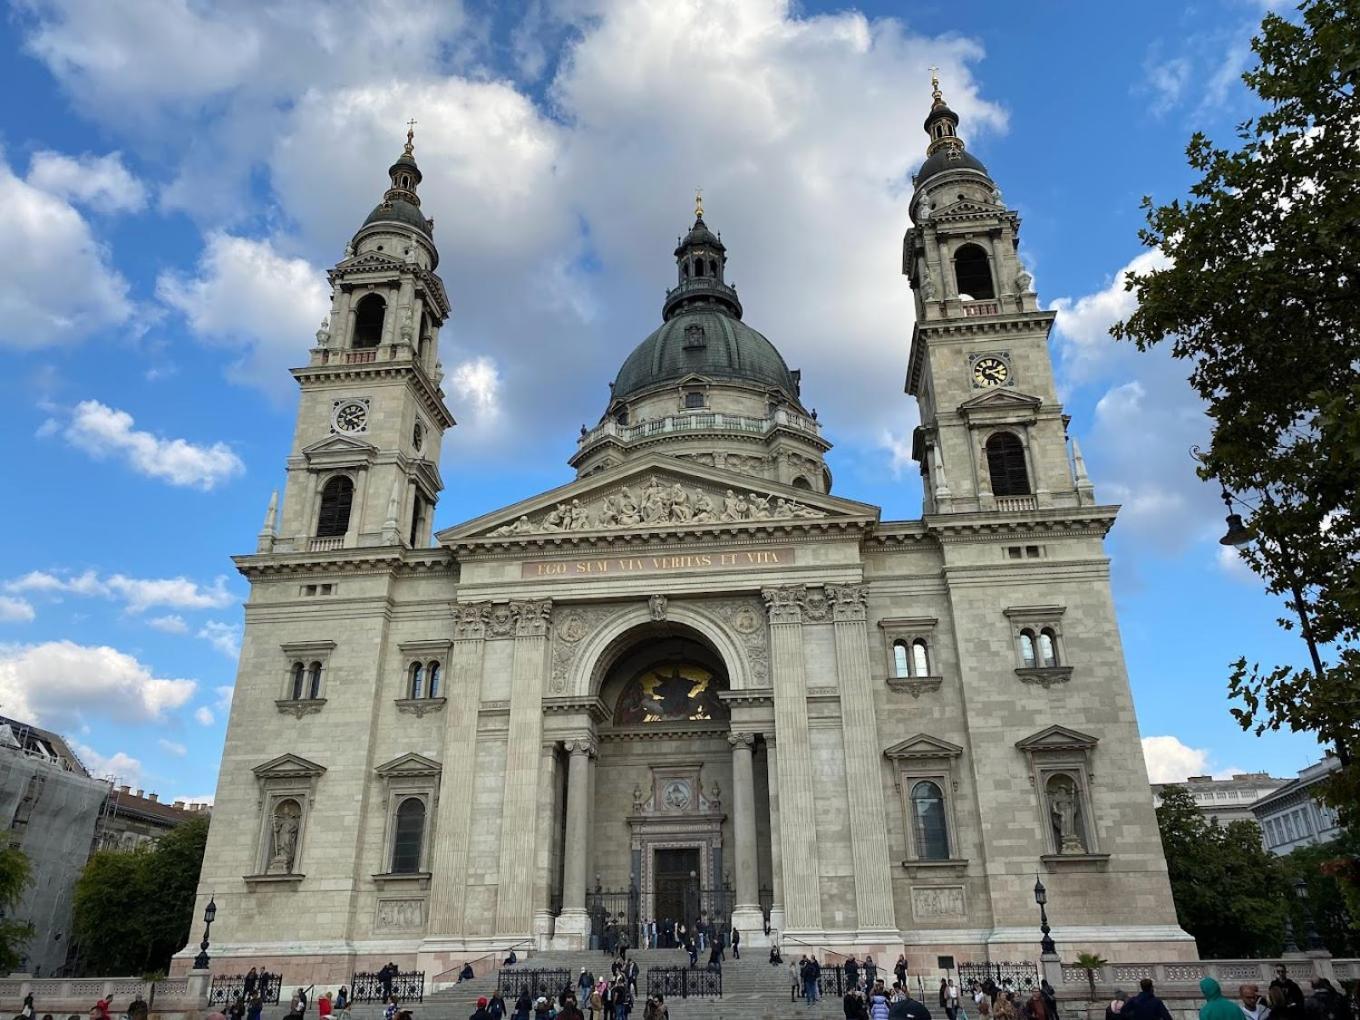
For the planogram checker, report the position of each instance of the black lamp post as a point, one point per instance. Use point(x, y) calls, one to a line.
point(1290, 946)
point(209, 915)
point(1046, 946)
point(1311, 937)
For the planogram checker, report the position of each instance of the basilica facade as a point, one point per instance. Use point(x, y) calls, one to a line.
point(692, 683)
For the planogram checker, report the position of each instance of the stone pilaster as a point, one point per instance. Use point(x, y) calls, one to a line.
point(864, 783)
point(573, 925)
point(798, 828)
point(776, 855)
point(463, 686)
point(514, 898)
point(543, 848)
point(746, 915)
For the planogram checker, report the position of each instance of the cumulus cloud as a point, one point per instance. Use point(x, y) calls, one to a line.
point(171, 747)
point(104, 431)
point(248, 297)
point(138, 594)
point(15, 610)
point(1169, 760)
point(64, 287)
point(225, 637)
point(171, 623)
point(204, 716)
point(1085, 346)
point(61, 683)
point(1231, 563)
point(899, 452)
point(476, 385)
point(103, 183)
point(121, 767)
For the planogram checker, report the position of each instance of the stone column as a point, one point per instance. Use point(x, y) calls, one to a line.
point(864, 781)
point(543, 848)
point(463, 687)
point(573, 924)
point(798, 820)
point(746, 915)
point(514, 895)
point(776, 857)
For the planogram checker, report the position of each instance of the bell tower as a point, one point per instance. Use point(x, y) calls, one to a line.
point(993, 436)
point(364, 466)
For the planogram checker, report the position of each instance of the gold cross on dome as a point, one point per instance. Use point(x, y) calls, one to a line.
point(698, 203)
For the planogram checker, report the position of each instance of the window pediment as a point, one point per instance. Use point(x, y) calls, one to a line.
point(1057, 738)
point(289, 766)
point(922, 746)
point(408, 766)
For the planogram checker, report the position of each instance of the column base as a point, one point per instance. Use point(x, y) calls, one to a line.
point(543, 929)
point(776, 922)
point(572, 931)
point(750, 921)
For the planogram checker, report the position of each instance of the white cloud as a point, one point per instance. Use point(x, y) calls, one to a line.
point(171, 623)
point(247, 296)
point(1166, 80)
point(188, 798)
point(225, 637)
point(119, 766)
point(63, 288)
point(224, 696)
point(101, 182)
point(1084, 342)
point(104, 431)
point(15, 610)
point(476, 385)
point(60, 683)
point(171, 747)
point(204, 716)
point(1231, 563)
point(137, 593)
point(1171, 761)
point(899, 452)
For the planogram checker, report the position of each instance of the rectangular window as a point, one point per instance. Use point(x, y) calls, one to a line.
point(1032, 551)
point(1013, 551)
point(694, 400)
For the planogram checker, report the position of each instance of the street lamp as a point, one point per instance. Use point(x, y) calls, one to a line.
point(1311, 937)
point(1046, 946)
point(209, 915)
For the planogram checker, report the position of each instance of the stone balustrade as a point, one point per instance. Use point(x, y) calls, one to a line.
point(700, 421)
point(173, 998)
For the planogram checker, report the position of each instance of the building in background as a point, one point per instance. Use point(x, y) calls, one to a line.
point(1292, 816)
point(133, 818)
point(1225, 800)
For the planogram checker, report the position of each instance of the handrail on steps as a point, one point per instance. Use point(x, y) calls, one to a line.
point(444, 975)
point(824, 950)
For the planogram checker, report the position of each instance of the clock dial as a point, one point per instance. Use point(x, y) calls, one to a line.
point(352, 417)
point(990, 371)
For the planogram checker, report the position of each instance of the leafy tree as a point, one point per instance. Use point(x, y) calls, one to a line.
point(1334, 907)
point(1230, 892)
point(14, 935)
point(134, 908)
point(1091, 962)
point(1260, 297)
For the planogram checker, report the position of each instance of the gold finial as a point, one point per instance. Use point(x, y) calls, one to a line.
point(936, 96)
point(698, 203)
point(410, 137)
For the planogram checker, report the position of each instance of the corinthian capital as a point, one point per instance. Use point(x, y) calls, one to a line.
point(584, 744)
point(785, 603)
point(469, 620)
point(738, 740)
point(532, 618)
point(848, 601)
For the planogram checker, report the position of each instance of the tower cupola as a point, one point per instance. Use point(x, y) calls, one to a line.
point(401, 202)
point(700, 262)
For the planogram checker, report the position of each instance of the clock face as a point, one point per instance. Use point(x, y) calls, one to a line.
point(351, 417)
point(418, 436)
point(990, 371)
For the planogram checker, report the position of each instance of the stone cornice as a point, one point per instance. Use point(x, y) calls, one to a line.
point(431, 397)
point(386, 559)
point(986, 526)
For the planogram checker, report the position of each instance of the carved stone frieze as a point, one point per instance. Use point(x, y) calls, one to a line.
point(469, 620)
point(500, 621)
point(744, 616)
point(299, 707)
point(400, 915)
point(660, 503)
point(816, 606)
point(574, 625)
point(849, 601)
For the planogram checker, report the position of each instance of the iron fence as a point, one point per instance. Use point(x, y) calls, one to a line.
point(613, 913)
point(831, 981)
point(404, 986)
point(1015, 976)
point(684, 982)
point(548, 981)
point(225, 988)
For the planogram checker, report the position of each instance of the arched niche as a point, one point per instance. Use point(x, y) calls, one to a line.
point(665, 677)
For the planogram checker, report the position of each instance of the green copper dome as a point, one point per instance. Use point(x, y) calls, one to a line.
point(708, 342)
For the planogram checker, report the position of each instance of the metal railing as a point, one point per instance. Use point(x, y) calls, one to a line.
point(404, 986)
point(1018, 976)
point(684, 982)
point(548, 981)
point(449, 977)
point(226, 987)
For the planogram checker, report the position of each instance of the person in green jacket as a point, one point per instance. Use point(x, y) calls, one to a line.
point(1215, 1006)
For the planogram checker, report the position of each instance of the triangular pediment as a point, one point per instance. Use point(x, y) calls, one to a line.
point(923, 745)
point(338, 443)
point(290, 765)
point(1057, 738)
point(659, 493)
point(369, 260)
point(409, 764)
point(1001, 399)
point(969, 207)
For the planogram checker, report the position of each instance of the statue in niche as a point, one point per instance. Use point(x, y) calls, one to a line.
point(715, 798)
point(1064, 807)
point(637, 798)
point(323, 335)
point(286, 825)
point(656, 605)
point(928, 288)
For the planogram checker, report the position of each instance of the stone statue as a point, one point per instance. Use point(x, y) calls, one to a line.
point(760, 507)
point(557, 519)
point(928, 288)
point(715, 798)
point(656, 605)
point(408, 325)
point(579, 516)
point(349, 249)
point(609, 512)
point(283, 847)
point(637, 798)
point(680, 508)
point(1063, 807)
point(1024, 282)
point(704, 511)
point(628, 508)
point(410, 253)
point(323, 335)
point(729, 510)
point(653, 503)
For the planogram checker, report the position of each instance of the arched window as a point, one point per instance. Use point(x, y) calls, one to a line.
point(298, 681)
point(712, 267)
point(432, 678)
point(1027, 655)
point(927, 816)
point(410, 830)
point(972, 273)
point(900, 659)
point(336, 498)
point(416, 686)
point(802, 483)
point(368, 321)
point(314, 680)
point(684, 270)
point(1006, 465)
point(698, 267)
point(1048, 647)
point(920, 662)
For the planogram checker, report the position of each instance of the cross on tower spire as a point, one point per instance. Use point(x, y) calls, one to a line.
point(410, 146)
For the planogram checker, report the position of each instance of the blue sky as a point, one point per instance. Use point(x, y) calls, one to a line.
point(177, 176)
